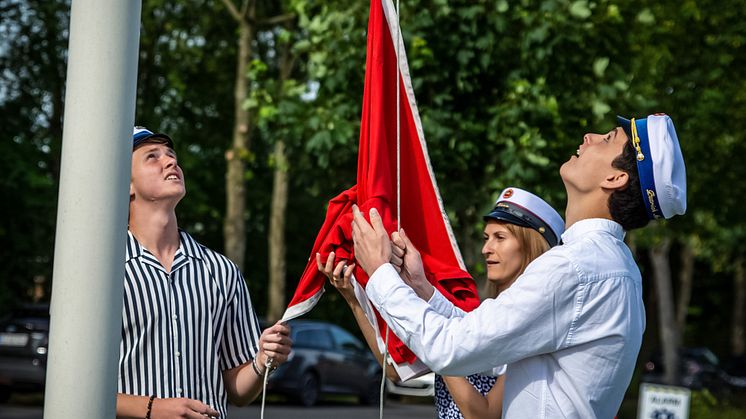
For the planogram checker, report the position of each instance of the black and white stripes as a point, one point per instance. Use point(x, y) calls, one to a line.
point(181, 329)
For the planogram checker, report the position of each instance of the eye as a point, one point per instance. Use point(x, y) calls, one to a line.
point(607, 138)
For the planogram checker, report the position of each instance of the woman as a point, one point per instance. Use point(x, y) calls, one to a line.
point(519, 228)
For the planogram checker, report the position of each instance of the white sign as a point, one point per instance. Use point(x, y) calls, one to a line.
point(658, 401)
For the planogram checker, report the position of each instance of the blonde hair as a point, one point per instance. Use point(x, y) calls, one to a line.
point(532, 244)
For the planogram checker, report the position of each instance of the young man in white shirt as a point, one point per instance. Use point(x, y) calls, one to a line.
point(570, 327)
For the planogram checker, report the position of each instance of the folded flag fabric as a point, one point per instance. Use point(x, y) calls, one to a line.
point(422, 214)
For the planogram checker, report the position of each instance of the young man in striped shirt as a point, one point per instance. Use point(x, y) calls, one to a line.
point(190, 337)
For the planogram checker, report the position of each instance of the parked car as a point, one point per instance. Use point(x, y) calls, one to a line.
point(699, 368)
point(24, 336)
point(423, 386)
point(326, 359)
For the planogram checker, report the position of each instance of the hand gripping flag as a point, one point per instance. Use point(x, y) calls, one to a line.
point(422, 214)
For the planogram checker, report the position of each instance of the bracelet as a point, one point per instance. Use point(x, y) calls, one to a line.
point(256, 369)
point(150, 406)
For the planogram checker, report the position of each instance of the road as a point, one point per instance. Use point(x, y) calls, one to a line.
point(277, 410)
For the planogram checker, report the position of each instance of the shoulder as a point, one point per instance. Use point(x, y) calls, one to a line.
point(558, 260)
point(215, 260)
point(601, 254)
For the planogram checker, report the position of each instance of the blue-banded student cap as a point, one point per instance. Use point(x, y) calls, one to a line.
point(142, 134)
point(660, 164)
point(525, 209)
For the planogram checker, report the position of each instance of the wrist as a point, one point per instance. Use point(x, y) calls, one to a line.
point(373, 267)
point(424, 289)
point(149, 407)
point(258, 370)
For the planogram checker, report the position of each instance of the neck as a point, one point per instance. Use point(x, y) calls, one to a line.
point(585, 206)
point(157, 230)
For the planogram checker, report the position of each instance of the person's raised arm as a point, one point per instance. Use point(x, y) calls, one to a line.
point(534, 315)
point(340, 277)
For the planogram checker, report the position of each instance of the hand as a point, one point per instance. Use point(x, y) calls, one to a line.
point(411, 269)
point(274, 344)
point(181, 408)
point(372, 244)
point(339, 276)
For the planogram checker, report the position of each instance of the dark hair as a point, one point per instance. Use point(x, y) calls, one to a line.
point(626, 204)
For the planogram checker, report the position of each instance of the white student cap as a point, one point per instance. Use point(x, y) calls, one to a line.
point(525, 209)
point(660, 164)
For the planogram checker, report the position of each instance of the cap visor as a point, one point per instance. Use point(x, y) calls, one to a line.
point(499, 215)
point(626, 125)
point(165, 137)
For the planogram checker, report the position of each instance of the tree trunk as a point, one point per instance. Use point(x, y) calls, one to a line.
point(234, 228)
point(669, 334)
point(278, 211)
point(739, 310)
point(277, 246)
point(685, 286)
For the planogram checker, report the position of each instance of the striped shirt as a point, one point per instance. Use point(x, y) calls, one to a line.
point(181, 329)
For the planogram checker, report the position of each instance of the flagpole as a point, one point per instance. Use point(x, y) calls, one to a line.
point(86, 306)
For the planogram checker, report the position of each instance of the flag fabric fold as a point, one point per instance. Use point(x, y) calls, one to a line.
point(422, 214)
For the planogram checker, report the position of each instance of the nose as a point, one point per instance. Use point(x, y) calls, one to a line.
point(486, 250)
point(170, 161)
point(590, 138)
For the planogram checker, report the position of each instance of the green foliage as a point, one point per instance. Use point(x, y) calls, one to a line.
point(33, 40)
point(706, 406)
point(505, 89)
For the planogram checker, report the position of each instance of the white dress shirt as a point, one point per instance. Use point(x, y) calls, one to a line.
point(569, 328)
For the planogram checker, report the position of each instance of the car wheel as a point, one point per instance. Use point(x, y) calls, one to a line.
point(372, 395)
point(309, 389)
point(4, 394)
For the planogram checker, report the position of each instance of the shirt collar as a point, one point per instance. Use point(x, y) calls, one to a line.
point(582, 227)
point(187, 245)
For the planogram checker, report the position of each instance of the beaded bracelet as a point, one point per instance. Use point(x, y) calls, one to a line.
point(150, 406)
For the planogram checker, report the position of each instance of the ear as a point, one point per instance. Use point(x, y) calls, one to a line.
point(132, 191)
point(616, 180)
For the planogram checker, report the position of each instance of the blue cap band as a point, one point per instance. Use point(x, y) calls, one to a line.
point(641, 141)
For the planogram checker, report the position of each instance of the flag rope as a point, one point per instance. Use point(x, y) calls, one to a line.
point(398, 193)
point(267, 366)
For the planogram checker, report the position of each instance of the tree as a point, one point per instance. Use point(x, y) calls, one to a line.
point(33, 44)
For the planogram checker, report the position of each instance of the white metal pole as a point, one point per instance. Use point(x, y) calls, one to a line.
point(86, 308)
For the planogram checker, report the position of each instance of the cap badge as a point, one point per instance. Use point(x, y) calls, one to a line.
point(508, 193)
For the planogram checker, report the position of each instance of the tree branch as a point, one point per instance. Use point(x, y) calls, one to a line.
point(232, 9)
point(278, 19)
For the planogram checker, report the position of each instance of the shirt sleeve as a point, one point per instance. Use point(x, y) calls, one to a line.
point(532, 317)
point(441, 305)
point(240, 341)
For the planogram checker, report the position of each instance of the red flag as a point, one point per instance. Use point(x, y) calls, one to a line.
point(422, 213)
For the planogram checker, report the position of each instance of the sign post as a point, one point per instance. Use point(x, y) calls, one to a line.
point(659, 401)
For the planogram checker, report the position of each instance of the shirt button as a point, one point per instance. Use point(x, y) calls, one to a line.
point(178, 353)
point(178, 391)
point(174, 317)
